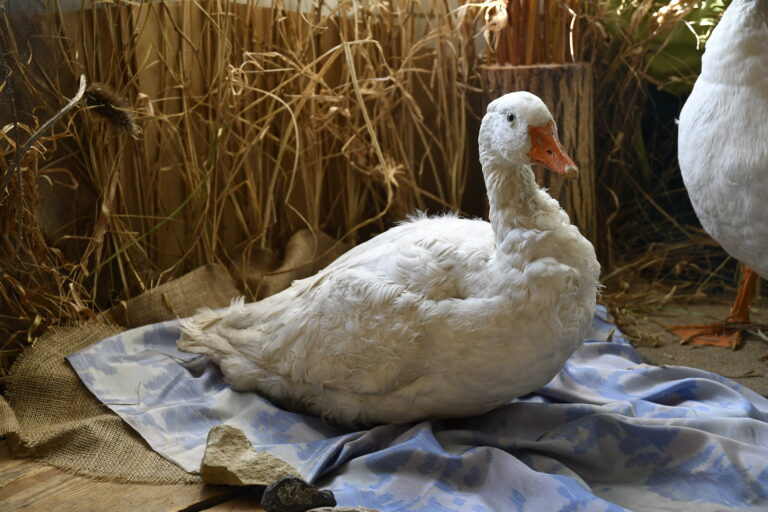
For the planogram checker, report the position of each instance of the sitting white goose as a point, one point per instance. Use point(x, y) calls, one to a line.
point(436, 317)
point(723, 153)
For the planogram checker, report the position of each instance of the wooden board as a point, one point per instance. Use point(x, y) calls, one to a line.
point(29, 485)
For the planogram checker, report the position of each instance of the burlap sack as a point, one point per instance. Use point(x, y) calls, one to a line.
point(48, 413)
point(305, 253)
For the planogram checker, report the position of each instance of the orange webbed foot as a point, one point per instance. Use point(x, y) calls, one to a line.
point(729, 333)
point(718, 334)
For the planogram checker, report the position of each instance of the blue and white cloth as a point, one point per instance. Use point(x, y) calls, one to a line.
point(608, 433)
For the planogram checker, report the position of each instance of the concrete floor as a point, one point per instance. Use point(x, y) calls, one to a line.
point(744, 365)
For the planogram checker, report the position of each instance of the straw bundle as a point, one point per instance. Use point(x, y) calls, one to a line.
point(255, 122)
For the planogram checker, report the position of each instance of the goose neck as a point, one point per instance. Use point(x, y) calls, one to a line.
point(513, 198)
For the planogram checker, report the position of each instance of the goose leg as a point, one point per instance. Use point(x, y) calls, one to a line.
point(728, 333)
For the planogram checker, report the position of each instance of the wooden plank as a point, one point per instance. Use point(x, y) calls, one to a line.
point(28, 485)
point(54, 491)
point(250, 501)
point(242, 504)
point(13, 469)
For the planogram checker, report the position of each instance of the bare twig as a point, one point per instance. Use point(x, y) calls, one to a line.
point(20, 152)
point(58, 115)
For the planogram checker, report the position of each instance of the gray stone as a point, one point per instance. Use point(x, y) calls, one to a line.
point(292, 494)
point(230, 459)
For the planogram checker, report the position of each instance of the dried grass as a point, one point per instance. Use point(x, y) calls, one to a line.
point(256, 122)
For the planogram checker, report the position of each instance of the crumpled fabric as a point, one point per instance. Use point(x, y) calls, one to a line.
point(608, 433)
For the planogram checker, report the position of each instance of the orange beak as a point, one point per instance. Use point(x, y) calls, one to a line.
point(547, 151)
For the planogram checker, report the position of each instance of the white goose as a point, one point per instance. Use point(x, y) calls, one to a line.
point(723, 152)
point(435, 317)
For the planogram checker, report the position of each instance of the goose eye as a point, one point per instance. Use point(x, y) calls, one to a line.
point(511, 118)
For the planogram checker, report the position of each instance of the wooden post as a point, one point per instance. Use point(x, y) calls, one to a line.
point(567, 91)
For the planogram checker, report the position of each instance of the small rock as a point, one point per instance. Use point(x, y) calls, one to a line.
point(292, 494)
point(230, 459)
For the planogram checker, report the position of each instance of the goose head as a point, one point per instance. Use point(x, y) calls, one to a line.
point(518, 130)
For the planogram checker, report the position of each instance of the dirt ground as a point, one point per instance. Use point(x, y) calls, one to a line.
point(744, 365)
